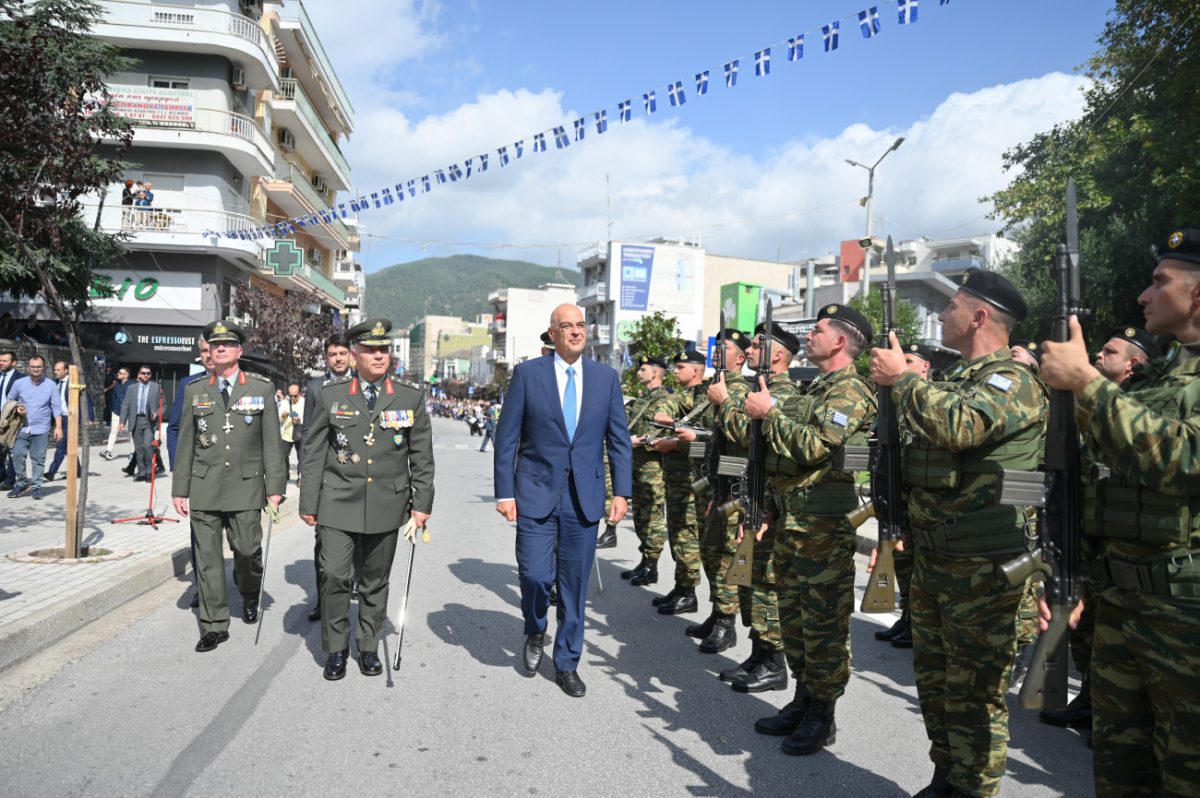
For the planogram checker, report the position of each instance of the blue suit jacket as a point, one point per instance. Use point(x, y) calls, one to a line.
point(533, 456)
point(177, 415)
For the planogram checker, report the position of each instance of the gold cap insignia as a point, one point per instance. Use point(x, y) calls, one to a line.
point(966, 276)
point(683, 355)
point(1175, 240)
point(1032, 345)
point(219, 328)
point(831, 309)
point(378, 329)
point(736, 336)
point(1130, 332)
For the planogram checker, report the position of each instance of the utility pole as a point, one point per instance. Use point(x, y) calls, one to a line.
point(868, 200)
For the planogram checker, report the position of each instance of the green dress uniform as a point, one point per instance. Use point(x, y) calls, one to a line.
point(649, 490)
point(368, 464)
point(229, 459)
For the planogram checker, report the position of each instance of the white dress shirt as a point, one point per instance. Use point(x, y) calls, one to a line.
point(560, 375)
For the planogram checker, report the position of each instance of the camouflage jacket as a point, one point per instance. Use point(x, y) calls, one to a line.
point(678, 405)
point(734, 422)
point(983, 404)
point(639, 413)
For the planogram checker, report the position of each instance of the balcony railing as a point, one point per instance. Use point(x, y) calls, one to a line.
point(116, 218)
point(220, 122)
point(188, 18)
point(601, 336)
point(285, 170)
point(289, 89)
point(295, 11)
point(596, 291)
point(315, 276)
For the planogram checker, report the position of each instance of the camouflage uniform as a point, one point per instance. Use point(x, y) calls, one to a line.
point(1146, 657)
point(974, 420)
point(814, 550)
point(649, 490)
point(683, 531)
point(718, 540)
point(758, 603)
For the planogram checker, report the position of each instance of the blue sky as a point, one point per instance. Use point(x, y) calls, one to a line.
point(755, 170)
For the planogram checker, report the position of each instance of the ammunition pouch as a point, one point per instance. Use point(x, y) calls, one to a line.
point(833, 498)
point(1129, 512)
point(993, 533)
point(1173, 577)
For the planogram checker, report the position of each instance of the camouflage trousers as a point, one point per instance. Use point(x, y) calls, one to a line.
point(814, 573)
point(964, 639)
point(904, 571)
point(1145, 672)
point(717, 547)
point(683, 531)
point(649, 499)
point(1082, 635)
point(1027, 614)
point(758, 603)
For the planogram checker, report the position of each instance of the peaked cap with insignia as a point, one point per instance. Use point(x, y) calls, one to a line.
point(996, 290)
point(789, 341)
point(1181, 244)
point(738, 337)
point(649, 360)
point(920, 350)
point(224, 332)
point(372, 332)
point(690, 356)
point(1139, 338)
point(849, 315)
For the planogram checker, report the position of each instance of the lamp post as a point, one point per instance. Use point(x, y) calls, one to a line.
point(866, 280)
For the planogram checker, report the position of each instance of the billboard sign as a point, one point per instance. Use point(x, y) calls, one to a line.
point(637, 267)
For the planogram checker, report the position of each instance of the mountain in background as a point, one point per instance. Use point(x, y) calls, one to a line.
point(455, 286)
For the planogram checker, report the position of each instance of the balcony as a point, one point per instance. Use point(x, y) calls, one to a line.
point(307, 276)
point(600, 335)
point(291, 109)
point(170, 229)
point(591, 294)
point(301, 45)
point(497, 327)
point(295, 195)
point(180, 28)
point(958, 265)
point(323, 284)
point(596, 253)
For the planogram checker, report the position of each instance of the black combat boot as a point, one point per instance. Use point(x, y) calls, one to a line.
point(788, 719)
point(722, 636)
point(658, 601)
point(769, 674)
point(1077, 714)
point(742, 670)
point(816, 731)
point(904, 638)
point(608, 538)
point(704, 629)
point(637, 569)
point(684, 601)
point(898, 627)
point(939, 787)
point(648, 577)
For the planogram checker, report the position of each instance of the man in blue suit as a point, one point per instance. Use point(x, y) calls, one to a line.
point(173, 430)
point(560, 413)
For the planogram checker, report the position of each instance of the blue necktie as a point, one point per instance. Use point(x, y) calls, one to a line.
point(569, 410)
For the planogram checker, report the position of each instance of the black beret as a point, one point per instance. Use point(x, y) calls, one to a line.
point(995, 289)
point(920, 350)
point(1139, 338)
point(849, 315)
point(547, 341)
point(224, 332)
point(1032, 347)
point(787, 339)
point(372, 332)
point(649, 360)
point(1182, 244)
point(738, 337)
point(690, 356)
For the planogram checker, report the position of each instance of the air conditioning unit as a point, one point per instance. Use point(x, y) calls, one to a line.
point(286, 140)
point(251, 8)
point(319, 184)
point(313, 255)
point(238, 79)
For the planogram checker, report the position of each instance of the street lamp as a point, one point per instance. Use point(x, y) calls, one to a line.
point(866, 281)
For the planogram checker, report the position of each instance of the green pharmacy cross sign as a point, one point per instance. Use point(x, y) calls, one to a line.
point(285, 258)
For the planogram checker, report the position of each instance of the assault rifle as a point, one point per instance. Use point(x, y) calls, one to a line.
point(1059, 523)
point(884, 464)
point(751, 496)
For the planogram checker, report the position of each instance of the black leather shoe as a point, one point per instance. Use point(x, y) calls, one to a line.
point(608, 538)
point(658, 601)
point(570, 683)
point(533, 652)
point(141, 479)
point(129, 469)
point(369, 664)
point(335, 665)
point(704, 629)
point(647, 577)
point(769, 674)
point(722, 636)
point(250, 611)
point(895, 629)
point(814, 733)
point(195, 602)
point(314, 614)
point(1077, 714)
point(904, 639)
point(637, 569)
point(789, 717)
point(742, 669)
point(210, 640)
point(684, 601)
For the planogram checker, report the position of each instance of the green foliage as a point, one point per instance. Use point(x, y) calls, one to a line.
point(907, 328)
point(1133, 157)
point(655, 335)
point(455, 286)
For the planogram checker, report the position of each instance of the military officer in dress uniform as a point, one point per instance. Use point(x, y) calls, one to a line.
point(229, 464)
point(368, 470)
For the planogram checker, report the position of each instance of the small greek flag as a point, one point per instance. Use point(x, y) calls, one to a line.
point(467, 163)
point(623, 110)
point(907, 10)
point(731, 74)
point(580, 129)
point(702, 83)
point(675, 91)
point(440, 175)
point(387, 197)
point(650, 103)
point(601, 121)
point(796, 48)
point(519, 146)
point(560, 137)
point(830, 32)
point(762, 63)
point(412, 187)
point(455, 173)
point(483, 162)
point(503, 153)
point(539, 142)
point(425, 183)
point(868, 22)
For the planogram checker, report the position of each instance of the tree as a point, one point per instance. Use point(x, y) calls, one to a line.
point(655, 335)
point(284, 327)
point(1132, 155)
point(55, 118)
point(907, 329)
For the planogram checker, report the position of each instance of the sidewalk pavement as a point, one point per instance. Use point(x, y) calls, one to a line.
point(40, 603)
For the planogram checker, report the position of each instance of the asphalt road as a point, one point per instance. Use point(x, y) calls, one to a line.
point(126, 708)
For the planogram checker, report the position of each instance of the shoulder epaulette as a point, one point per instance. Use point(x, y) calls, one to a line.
point(337, 380)
point(259, 377)
point(405, 383)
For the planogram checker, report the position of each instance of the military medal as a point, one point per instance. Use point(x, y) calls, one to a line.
point(228, 425)
point(202, 424)
point(342, 442)
point(398, 438)
point(342, 458)
point(249, 420)
point(354, 458)
point(369, 438)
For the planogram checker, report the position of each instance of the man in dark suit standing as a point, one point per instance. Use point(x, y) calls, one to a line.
point(561, 412)
point(140, 414)
point(8, 376)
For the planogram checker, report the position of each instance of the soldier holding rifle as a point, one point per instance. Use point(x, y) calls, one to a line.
point(1145, 690)
point(984, 414)
point(649, 492)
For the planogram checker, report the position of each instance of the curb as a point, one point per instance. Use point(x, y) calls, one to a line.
point(35, 632)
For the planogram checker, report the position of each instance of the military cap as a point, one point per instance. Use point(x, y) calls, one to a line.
point(849, 315)
point(690, 356)
point(547, 341)
point(650, 360)
point(1032, 347)
point(789, 341)
point(224, 332)
point(1139, 338)
point(738, 337)
point(920, 350)
point(1181, 244)
point(996, 290)
point(372, 332)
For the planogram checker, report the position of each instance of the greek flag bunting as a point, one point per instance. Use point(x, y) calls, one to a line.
point(483, 162)
point(623, 110)
point(796, 48)
point(907, 10)
point(503, 153)
point(943, 2)
point(702, 82)
point(425, 183)
point(468, 163)
point(601, 122)
point(454, 172)
point(440, 175)
point(675, 91)
point(539, 142)
point(762, 62)
point(830, 32)
point(650, 103)
point(387, 196)
point(560, 137)
point(580, 129)
point(868, 22)
point(731, 74)
point(412, 187)
point(519, 147)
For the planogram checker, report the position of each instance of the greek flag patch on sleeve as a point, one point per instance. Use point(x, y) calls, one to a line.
point(841, 419)
point(1000, 382)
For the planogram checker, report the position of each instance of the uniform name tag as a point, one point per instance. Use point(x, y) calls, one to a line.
point(1000, 382)
point(841, 419)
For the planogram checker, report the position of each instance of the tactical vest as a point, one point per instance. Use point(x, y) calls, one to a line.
point(993, 531)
